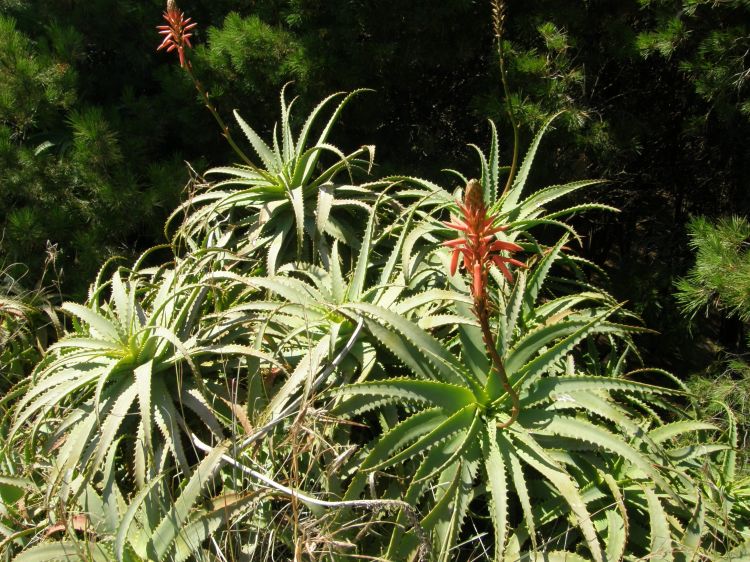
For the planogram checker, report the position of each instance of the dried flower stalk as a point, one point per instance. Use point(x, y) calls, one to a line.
point(498, 22)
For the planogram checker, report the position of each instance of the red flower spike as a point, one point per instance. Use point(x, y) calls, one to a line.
point(176, 33)
point(481, 249)
point(499, 245)
point(478, 244)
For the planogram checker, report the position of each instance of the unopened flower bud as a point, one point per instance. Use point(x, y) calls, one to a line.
point(474, 196)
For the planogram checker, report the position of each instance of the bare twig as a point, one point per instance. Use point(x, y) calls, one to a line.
point(374, 505)
point(291, 409)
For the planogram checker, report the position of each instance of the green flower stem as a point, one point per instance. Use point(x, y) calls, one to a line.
point(481, 311)
point(212, 109)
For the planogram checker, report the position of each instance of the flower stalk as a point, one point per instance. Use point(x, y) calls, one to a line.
point(177, 38)
point(480, 249)
point(498, 21)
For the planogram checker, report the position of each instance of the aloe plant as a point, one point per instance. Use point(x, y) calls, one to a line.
point(286, 198)
point(105, 527)
point(134, 363)
point(452, 439)
point(721, 495)
point(458, 440)
point(291, 368)
point(519, 213)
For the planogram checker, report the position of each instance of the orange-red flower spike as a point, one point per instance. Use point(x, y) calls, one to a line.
point(477, 243)
point(176, 36)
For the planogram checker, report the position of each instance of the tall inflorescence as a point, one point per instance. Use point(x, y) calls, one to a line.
point(498, 24)
point(177, 38)
point(498, 18)
point(176, 33)
point(478, 248)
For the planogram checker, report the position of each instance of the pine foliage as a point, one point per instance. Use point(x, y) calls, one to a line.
point(720, 277)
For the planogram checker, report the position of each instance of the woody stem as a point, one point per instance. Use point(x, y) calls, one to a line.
point(481, 311)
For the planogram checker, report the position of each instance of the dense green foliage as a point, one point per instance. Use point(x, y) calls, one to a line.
point(720, 278)
point(232, 396)
point(74, 176)
point(655, 93)
point(716, 290)
point(280, 362)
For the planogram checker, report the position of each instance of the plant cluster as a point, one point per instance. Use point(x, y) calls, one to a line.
point(305, 372)
point(282, 382)
point(95, 130)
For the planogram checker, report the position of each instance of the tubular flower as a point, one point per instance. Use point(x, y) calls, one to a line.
point(176, 32)
point(478, 244)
